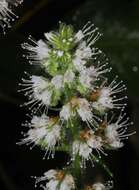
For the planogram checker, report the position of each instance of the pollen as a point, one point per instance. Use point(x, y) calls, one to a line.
point(94, 95)
point(60, 175)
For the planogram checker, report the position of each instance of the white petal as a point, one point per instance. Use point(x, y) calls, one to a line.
point(65, 113)
point(57, 81)
point(69, 76)
point(50, 174)
point(85, 150)
point(79, 36)
point(42, 50)
point(99, 186)
point(52, 185)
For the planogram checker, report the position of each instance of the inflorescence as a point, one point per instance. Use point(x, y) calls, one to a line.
point(75, 87)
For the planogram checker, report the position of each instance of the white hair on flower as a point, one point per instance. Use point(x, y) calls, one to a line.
point(57, 179)
point(78, 107)
point(88, 76)
point(101, 186)
point(48, 36)
point(105, 96)
point(37, 50)
point(69, 76)
point(59, 80)
point(83, 54)
point(86, 144)
point(85, 39)
point(44, 132)
point(115, 132)
point(6, 13)
point(83, 51)
point(37, 88)
point(89, 32)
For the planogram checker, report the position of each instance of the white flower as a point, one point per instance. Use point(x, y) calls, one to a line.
point(48, 36)
point(37, 89)
point(57, 81)
point(6, 13)
point(42, 50)
point(38, 83)
point(81, 148)
point(65, 113)
point(89, 32)
point(40, 90)
point(76, 106)
point(38, 122)
point(112, 136)
point(89, 75)
point(15, 2)
point(82, 53)
point(53, 135)
point(100, 186)
point(68, 183)
point(51, 185)
point(105, 100)
point(116, 132)
point(85, 38)
point(105, 97)
point(86, 144)
point(103, 103)
point(95, 142)
point(44, 131)
point(79, 36)
point(60, 53)
point(79, 63)
point(84, 109)
point(49, 175)
point(69, 76)
point(37, 51)
point(57, 179)
point(85, 79)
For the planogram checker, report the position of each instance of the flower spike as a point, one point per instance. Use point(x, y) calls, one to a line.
point(70, 101)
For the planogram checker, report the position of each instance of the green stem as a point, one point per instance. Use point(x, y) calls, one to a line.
point(100, 162)
point(63, 148)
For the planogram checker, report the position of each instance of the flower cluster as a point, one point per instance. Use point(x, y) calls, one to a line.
point(84, 147)
point(57, 179)
point(44, 131)
point(63, 180)
point(74, 86)
point(6, 13)
point(100, 186)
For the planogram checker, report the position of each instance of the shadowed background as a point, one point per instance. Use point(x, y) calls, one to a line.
point(118, 21)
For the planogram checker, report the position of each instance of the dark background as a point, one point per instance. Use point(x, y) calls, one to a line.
point(119, 22)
